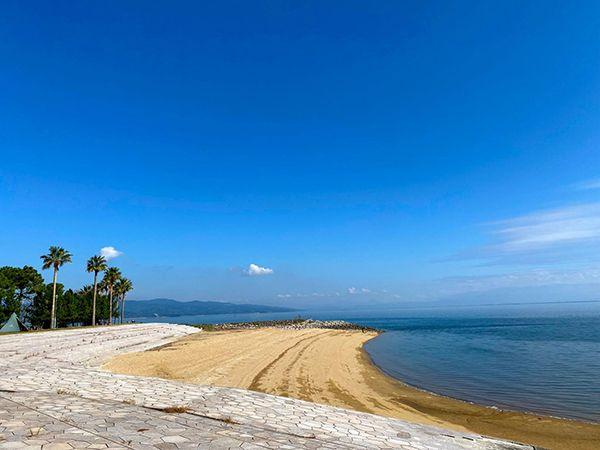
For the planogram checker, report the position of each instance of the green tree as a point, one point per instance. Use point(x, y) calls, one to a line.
point(38, 313)
point(102, 301)
point(67, 309)
point(73, 308)
point(18, 286)
point(56, 258)
point(122, 288)
point(111, 276)
point(85, 296)
point(96, 264)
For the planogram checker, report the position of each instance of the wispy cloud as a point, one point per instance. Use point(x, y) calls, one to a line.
point(575, 224)
point(564, 234)
point(331, 294)
point(254, 270)
point(110, 252)
point(588, 185)
point(537, 277)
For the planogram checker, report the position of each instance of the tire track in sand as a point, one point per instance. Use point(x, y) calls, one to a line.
point(255, 384)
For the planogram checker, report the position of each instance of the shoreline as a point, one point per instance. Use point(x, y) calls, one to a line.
point(486, 427)
point(384, 373)
point(331, 366)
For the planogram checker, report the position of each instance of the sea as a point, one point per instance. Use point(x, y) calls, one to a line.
point(539, 358)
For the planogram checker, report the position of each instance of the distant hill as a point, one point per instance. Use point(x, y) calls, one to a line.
point(172, 308)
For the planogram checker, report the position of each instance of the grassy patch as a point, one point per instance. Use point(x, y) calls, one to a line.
point(175, 409)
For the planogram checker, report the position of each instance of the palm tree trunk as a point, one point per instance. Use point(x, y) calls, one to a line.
point(110, 307)
point(94, 302)
point(53, 312)
point(122, 309)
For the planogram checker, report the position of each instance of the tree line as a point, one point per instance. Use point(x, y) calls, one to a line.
point(49, 305)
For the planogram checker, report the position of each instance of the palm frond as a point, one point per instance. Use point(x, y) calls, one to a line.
point(56, 257)
point(111, 276)
point(96, 264)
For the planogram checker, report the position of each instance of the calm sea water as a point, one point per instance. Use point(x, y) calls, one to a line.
point(530, 358)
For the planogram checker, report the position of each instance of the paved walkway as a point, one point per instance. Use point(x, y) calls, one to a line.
point(53, 395)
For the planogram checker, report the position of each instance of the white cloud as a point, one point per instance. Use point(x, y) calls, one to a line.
point(110, 252)
point(354, 290)
point(254, 270)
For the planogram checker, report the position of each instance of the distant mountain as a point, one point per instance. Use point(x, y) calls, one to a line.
point(172, 308)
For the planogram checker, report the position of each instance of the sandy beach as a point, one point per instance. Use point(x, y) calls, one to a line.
point(331, 367)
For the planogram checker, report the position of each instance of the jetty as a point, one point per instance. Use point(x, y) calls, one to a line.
point(291, 324)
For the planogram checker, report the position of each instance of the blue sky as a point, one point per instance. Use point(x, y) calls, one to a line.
point(363, 153)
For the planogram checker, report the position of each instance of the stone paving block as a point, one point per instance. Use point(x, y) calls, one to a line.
point(56, 396)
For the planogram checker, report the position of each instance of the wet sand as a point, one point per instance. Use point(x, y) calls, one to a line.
point(331, 367)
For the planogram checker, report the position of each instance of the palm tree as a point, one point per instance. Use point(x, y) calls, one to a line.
point(96, 264)
point(103, 288)
point(111, 276)
point(56, 257)
point(117, 293)
point(124, 286)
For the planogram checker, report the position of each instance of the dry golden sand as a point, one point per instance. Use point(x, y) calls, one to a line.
point(331, 367)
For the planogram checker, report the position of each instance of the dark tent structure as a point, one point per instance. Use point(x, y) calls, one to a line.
point(13, 325)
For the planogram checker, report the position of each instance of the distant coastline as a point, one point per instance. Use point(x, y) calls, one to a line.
point(165, 307)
